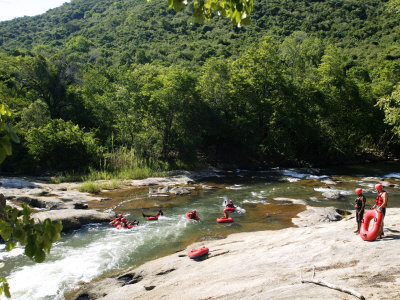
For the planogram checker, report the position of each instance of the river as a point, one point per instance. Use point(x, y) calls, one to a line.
point(100, 250)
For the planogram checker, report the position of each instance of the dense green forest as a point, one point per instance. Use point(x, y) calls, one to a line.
point(117, 85)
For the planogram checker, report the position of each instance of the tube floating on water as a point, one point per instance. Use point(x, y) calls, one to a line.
point(224, 220)
point(228, 208)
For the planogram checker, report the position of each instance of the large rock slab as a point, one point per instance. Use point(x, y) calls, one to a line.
point(74, 218)
point(268, 265)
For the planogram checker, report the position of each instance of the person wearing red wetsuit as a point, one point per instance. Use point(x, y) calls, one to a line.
point(359, 205)
point(380, 204)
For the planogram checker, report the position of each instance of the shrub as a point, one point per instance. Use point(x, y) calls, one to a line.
point(62, 145)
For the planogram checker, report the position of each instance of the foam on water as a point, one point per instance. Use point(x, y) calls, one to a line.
point(236, 187)
point(86, 255)
point(392, 175)
point(17, 251)
point(295, 174)
point(342, 192)
point(256, 201)
point(291, 179)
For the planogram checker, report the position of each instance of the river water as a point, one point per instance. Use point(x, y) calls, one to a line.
point(100, 250)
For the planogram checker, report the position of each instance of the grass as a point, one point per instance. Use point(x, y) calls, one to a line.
point(96, 187)
point(116, 167)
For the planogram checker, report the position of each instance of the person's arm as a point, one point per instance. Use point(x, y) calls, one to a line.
point(364, 200)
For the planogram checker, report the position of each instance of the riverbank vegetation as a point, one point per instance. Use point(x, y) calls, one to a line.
point(129, 89)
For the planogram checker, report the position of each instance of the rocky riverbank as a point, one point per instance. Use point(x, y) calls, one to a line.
point(271, 265)
point(66, 203)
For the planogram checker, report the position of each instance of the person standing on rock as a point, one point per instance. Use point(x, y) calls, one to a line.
point(380, 204)
point(360, 206)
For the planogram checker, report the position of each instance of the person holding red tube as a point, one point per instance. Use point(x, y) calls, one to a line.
point(380, 204)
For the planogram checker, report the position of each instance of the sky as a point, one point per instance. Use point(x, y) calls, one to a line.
point(10, 9)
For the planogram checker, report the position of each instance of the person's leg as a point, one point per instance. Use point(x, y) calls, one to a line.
point(381, 227)
point(358, 227)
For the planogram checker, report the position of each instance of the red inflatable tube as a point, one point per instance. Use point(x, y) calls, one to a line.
point(224, 220)
point(365, 233)
point(153, 218)
point(228, 208)
point(120, 227)
point(199, 252)
point(187, 217)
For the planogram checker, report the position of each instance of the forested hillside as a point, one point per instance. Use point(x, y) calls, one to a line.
point(115, 85)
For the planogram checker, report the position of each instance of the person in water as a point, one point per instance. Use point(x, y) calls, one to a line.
point(230, 204)
point(380, 204)
point(359, 204)
point(193, 215)
point(131, 224)
point(117, 221)
point(226, 216)
point(157, 215)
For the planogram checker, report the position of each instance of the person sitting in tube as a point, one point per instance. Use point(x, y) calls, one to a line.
point(230, 204)
point(359, 204)
point(117, 221)
point(226, 216)
point(193, 215)
point(134, 223)
point(158, 214)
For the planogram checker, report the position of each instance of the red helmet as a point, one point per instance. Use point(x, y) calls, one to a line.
point(194, 211)
point(378, 187)
point(230, 201)
point(358, 191)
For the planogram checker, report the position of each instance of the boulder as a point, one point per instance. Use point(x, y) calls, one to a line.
point(178, 190)
point(74, 218)
point(333, 195)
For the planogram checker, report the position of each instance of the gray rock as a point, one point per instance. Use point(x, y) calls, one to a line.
point(333, 195)
point(328, 181)
point(177, 190)
point(74, 218)
point(37, 202)
point(163, 190)
point(333, 214)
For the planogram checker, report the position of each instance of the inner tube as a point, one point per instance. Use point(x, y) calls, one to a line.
point(199, 252)
point(152, 218)
point(365, 233)
point(228, 208)
point(189, 218)
point(120, 227)
point(224, 220)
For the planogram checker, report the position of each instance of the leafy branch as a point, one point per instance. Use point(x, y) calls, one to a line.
point(238, 11)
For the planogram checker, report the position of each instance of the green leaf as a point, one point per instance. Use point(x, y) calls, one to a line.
point(12, 134)
point(31, 248)
point(10, 245)
point(5, 144)
point(5, 230)
point(40, 256)
point(4, 287)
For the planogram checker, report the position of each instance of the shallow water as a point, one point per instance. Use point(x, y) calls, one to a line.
point(99, 250)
